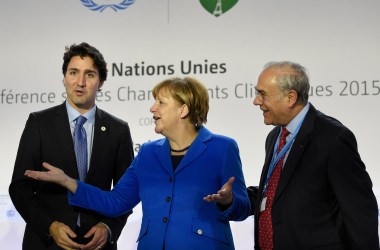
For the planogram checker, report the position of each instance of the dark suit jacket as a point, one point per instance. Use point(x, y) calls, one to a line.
point(324, 199)
point(47, 138)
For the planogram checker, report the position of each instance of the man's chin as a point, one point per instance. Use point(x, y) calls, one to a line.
point(83, 104)
point(268, 122)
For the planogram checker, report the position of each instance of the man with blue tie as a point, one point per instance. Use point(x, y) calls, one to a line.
point(88, 144)
point(315, 192)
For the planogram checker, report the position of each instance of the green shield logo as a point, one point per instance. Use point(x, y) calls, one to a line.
point(218, 7)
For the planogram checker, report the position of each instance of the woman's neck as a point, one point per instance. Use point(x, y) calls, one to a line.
point(183, 143)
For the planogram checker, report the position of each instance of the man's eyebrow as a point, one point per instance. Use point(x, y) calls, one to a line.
point(90, 71)
point(86, 71)
point(259, 90)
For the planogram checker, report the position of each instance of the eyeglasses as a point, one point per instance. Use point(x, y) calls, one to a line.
point(262, 96)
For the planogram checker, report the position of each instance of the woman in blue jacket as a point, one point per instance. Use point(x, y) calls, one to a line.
point(190, 182)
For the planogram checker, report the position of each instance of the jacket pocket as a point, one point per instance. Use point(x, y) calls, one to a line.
point(211, 229)
point(143, 229)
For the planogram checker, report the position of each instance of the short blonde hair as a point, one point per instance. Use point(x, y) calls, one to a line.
point(191, 92)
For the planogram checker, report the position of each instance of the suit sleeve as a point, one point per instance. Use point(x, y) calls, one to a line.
point(240, 208)
point(254, 192)
point(125, 157)
point(253, 195)
point(22, 190)
point(353, 189)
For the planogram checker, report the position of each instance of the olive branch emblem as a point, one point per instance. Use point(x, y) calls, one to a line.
point(96, 7)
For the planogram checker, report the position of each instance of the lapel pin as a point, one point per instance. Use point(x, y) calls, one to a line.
point(103, 128)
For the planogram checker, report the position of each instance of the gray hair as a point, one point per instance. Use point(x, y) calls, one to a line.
point(291, 76)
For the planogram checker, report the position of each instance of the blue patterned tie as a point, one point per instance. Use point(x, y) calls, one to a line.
point(80, 146)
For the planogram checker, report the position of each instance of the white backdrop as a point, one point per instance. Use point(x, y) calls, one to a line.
point(338, 41)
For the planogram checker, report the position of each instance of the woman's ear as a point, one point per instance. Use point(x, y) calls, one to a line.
point(184, 111)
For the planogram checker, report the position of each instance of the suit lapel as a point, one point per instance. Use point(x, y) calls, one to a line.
point(196, 148)
point(101, 130)
point(62, 126)
point(163, 154)
point(270, 148)
point(268, 156)
point(297, 149)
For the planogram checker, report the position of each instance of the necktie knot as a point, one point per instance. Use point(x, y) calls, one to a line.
point(80, 120)
point(284, 134)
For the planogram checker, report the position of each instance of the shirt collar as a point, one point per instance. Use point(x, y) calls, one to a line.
point(292, 126)
point(73, 114)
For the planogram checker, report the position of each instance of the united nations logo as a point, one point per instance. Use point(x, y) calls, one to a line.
point(104, 4)
point(218, 7)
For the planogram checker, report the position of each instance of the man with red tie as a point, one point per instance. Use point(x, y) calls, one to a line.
point(314, 191)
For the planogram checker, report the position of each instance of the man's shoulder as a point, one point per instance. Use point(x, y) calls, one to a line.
point(49, 111)
point(326, 127)
point(102, 114)
point(327, 122)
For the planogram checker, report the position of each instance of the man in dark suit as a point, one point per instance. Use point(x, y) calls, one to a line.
point(323, 198)
point(48, 137)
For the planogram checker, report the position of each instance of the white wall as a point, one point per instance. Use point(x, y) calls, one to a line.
point(338, 41)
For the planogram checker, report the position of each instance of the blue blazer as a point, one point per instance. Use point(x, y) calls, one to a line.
point(174, 212)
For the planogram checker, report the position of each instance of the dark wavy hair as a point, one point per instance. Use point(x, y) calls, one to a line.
point(83, 50)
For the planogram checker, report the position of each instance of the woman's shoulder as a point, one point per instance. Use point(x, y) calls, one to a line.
point(153, 143)
point(216, 137)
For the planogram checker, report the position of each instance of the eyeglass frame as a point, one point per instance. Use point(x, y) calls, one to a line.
point(261, 95)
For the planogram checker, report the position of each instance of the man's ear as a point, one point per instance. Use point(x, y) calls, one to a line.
point(100, 85)
point(292, 97)
point(184, 111)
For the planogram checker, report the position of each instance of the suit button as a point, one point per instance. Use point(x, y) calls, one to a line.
point(170, 179)
point(165, 219)
point(200, 232)
point(168, 199)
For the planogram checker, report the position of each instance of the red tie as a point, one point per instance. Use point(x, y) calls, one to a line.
point(265, 217)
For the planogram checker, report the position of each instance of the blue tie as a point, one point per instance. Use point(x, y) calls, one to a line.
point(80, 147)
